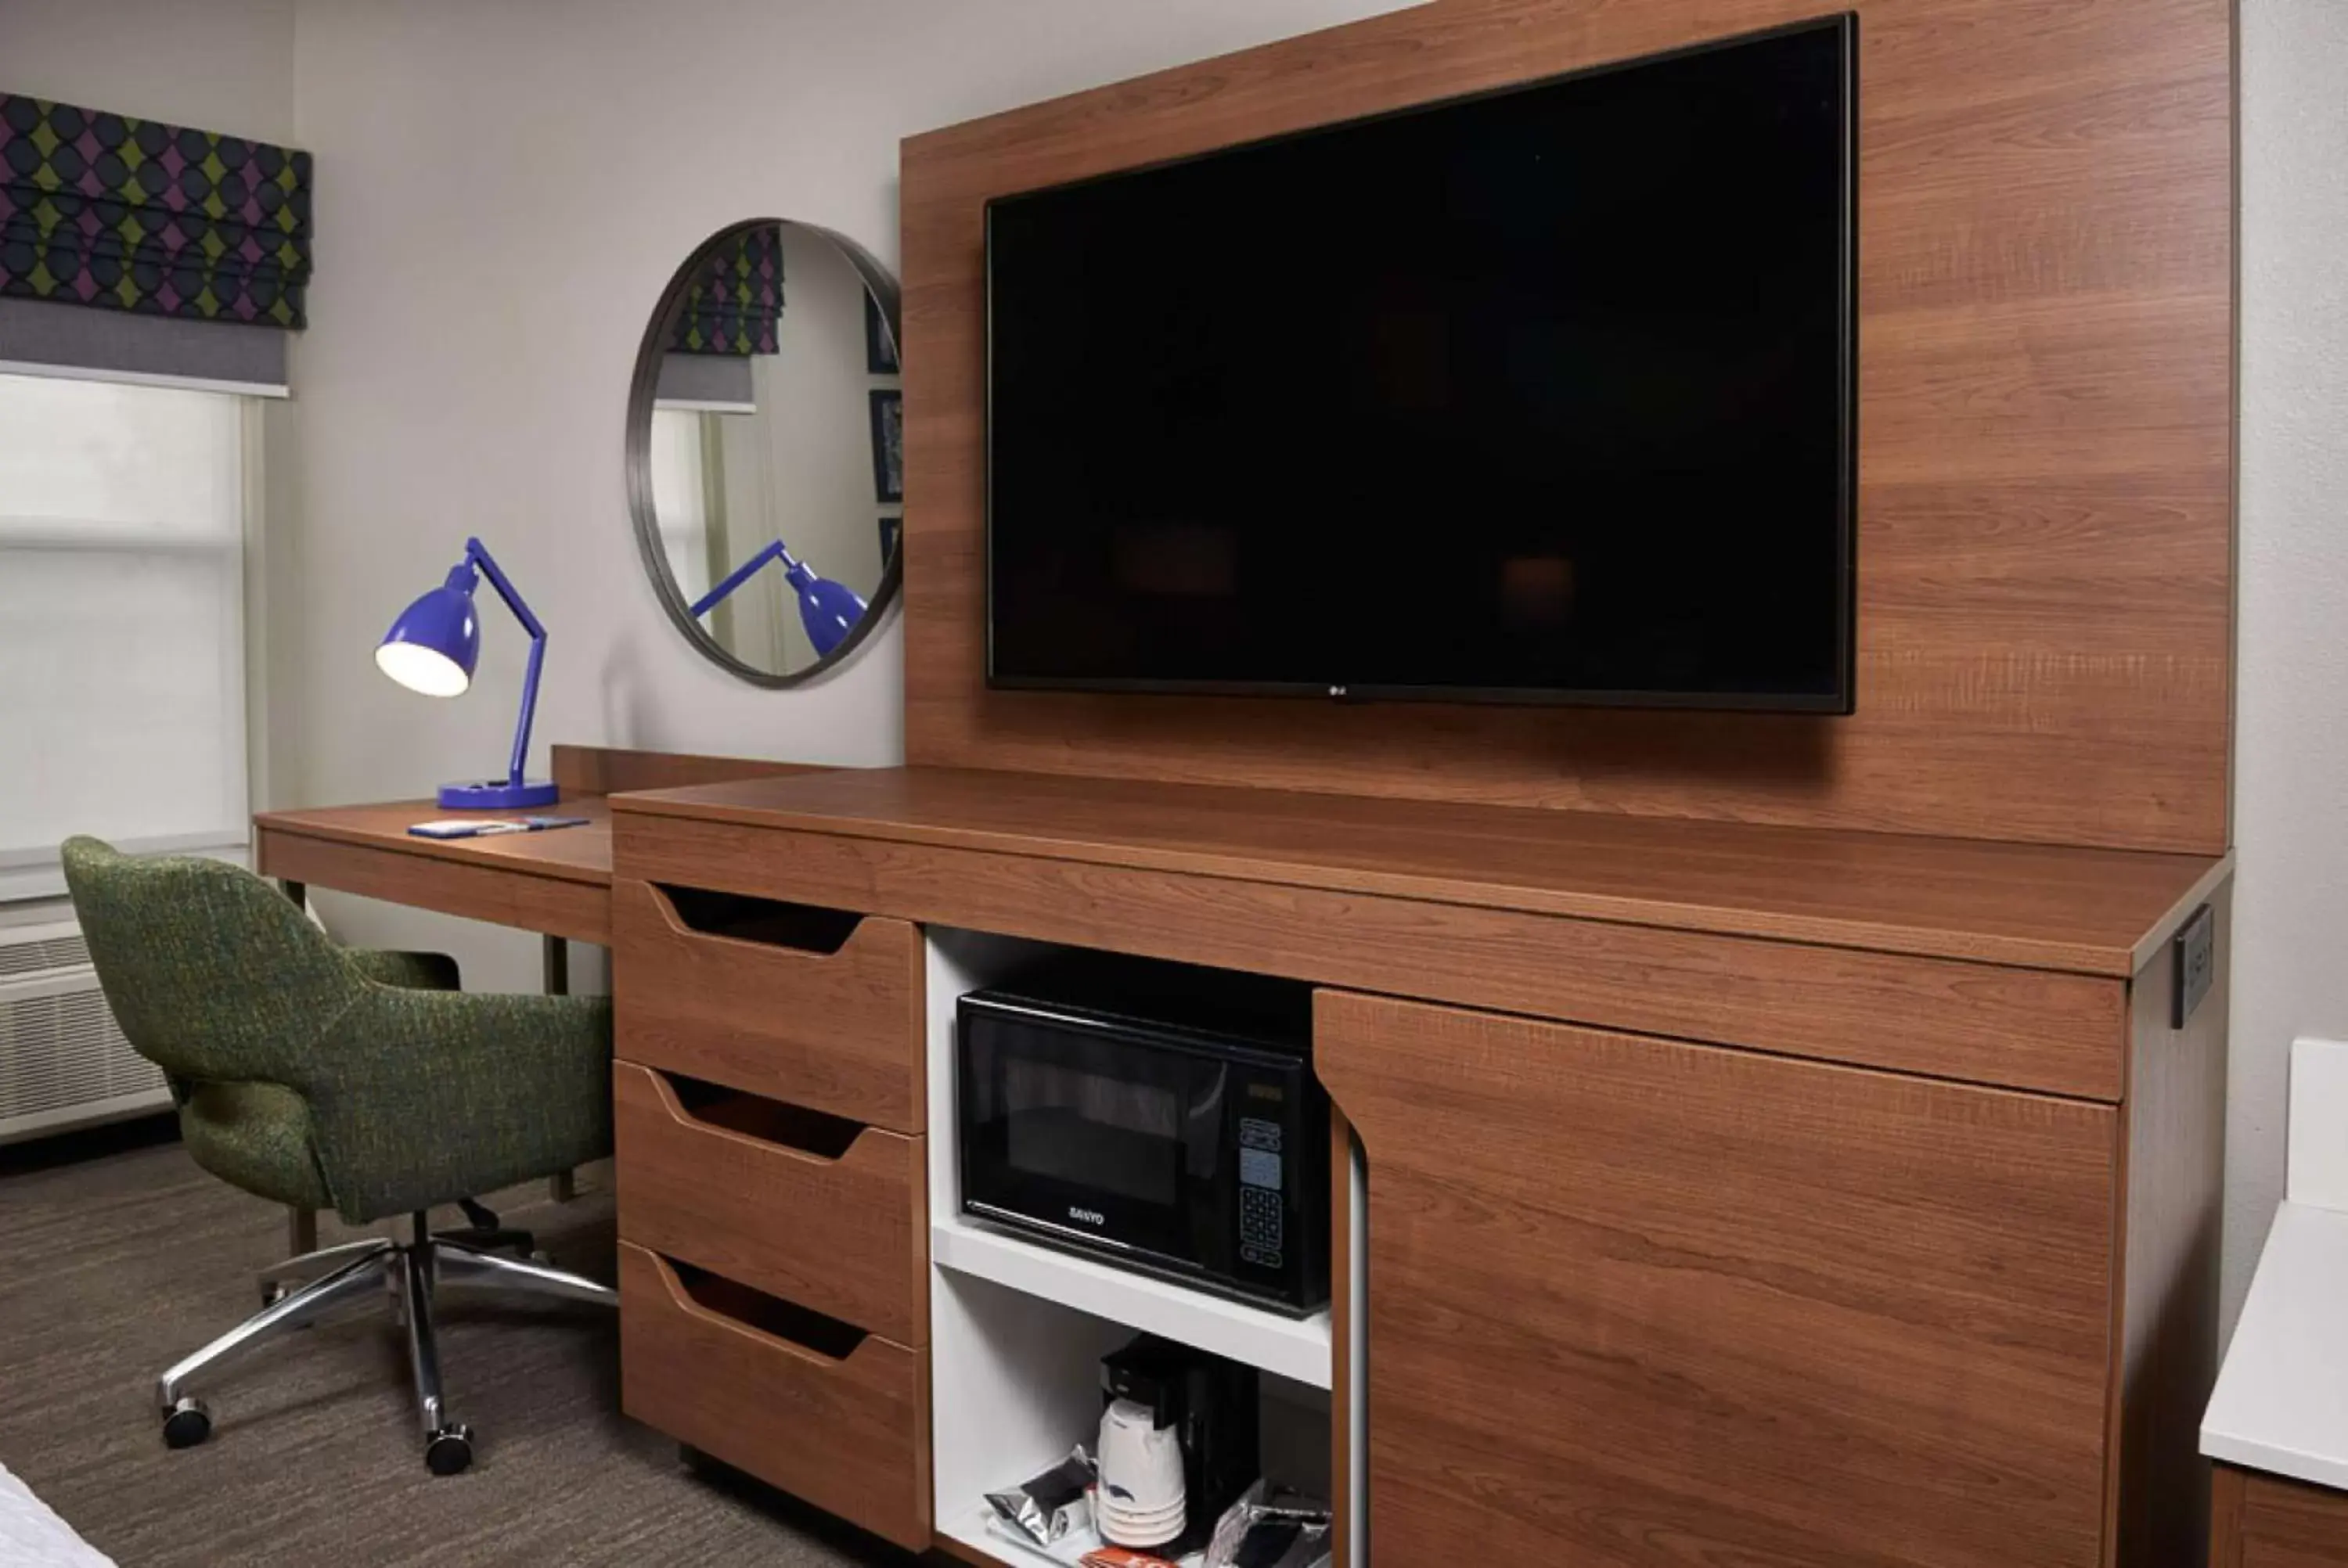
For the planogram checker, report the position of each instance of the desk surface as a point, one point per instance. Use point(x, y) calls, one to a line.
point(2095, 912)
point(2281, 1401)
point(571, 854)
point(557, 882)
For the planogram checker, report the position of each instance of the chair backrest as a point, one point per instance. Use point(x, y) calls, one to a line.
point(212, 974)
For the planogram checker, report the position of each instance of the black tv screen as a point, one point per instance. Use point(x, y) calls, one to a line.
point(1540, 396)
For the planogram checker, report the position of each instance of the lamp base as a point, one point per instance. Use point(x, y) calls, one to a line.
point(497, 794)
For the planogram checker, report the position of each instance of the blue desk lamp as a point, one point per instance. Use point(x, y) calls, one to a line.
point(432, 649)
point(829, 611)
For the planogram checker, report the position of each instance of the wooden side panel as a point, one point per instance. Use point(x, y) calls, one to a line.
point(1341, 1341)
point(838, 1032)
point(2167, 1341)
point(849, 1435)
point(2267, 1522)
point(1639, 1304)
point(2046, 414)
point(610, 770)
point(846, 1236)
point(1983, 1023)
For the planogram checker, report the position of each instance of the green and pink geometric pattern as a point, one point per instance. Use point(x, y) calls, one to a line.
point(734, 303)
point(135, 215)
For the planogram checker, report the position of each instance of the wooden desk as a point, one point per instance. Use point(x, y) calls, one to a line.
point(558, 883)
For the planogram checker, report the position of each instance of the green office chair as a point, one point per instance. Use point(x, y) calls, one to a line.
point(322, 1077)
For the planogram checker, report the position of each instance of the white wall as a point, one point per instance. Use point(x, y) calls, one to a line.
point(503, 186)
point(2291, 794)
point(224, 65)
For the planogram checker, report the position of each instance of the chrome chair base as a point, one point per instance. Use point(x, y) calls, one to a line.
point(409, 1271)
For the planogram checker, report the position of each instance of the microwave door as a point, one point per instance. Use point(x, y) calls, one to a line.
point(1089, 1136)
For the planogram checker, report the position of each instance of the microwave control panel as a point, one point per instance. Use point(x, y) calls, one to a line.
point(1261, 1219)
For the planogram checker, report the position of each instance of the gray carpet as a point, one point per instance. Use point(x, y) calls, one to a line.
point(112, 1266)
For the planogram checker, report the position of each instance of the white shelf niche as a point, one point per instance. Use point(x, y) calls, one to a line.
point(1295, 1348)
point(1017, 1330)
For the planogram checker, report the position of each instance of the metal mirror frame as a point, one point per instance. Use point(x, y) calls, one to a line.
point(641, 390)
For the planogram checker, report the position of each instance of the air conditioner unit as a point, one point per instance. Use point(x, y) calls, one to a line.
point(63, 1061)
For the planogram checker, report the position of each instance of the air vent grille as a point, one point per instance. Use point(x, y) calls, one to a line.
point(60, 1052)
point(33, 957)
point(63, 1059)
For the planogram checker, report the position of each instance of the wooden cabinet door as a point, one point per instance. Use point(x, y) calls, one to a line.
point(1633, 1301)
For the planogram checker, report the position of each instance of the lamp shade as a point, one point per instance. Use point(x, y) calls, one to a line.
point(435, 644)
point(830, 610)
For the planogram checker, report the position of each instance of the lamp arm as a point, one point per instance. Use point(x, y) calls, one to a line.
point(478, 554)
point(740, 574)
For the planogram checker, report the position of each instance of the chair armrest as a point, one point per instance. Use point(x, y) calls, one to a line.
point(422, 1097)
point(412, 971)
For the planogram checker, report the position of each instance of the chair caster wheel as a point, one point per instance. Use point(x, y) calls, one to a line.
point(186, 1424)
point(449, 1450)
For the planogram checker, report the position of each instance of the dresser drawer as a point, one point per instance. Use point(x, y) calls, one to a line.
point(818, 1212)
point(834, 1417)
point(813, 1007)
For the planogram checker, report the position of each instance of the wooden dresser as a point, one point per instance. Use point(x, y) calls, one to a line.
point(767, 1115)
point(1790, 1194)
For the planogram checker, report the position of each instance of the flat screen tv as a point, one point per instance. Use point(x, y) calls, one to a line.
point(1540, 396)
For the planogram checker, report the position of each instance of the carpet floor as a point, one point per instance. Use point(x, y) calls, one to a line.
point(113, 1265)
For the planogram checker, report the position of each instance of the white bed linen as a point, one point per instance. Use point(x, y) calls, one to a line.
point(32, 1536)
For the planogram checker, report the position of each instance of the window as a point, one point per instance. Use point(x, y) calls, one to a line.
point(123, 683)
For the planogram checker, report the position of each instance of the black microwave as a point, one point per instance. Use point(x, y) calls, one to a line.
point(1158, 1116)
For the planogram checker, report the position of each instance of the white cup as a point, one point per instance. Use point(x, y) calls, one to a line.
point(1141, 1501)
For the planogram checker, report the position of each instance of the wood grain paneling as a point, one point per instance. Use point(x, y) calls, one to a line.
point(1641, 1302)
point(846, 1236)
point(2045, 417)
point(2166, 1342)
point(2049, 907)
point(609, 770)
point(839, 1032)
point(850, 1435)
point(2262, 1521)
point(2064, 1033)
point(557, 882)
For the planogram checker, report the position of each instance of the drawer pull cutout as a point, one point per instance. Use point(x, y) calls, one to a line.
point(794, 1127)
point(704, 1295)
point(802, 928)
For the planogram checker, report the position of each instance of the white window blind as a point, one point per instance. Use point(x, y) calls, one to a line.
point(122, 525)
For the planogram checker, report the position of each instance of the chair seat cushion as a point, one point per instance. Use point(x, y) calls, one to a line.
point(255, 1136)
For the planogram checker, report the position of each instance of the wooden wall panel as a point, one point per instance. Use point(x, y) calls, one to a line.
point(2046, 465)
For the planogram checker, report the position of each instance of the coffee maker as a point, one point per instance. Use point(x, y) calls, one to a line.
point(1211, 1403)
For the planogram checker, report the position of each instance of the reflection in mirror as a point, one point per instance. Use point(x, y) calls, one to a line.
point(770, 457)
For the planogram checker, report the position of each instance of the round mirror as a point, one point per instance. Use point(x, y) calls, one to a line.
point(765, 448)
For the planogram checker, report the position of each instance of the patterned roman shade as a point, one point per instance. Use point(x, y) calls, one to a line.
point(135, 215)
point(735, 305)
